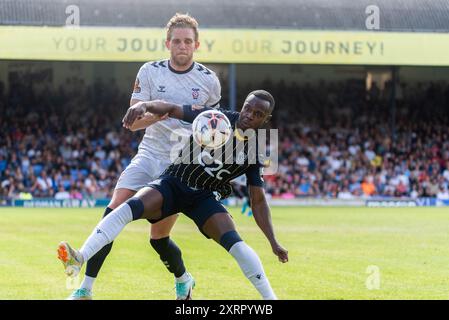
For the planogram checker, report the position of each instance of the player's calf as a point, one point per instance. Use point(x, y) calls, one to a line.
point(249, 263)
point(171, 256)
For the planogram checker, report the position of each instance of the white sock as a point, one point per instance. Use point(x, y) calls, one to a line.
point(107, 230)
point(88, 283)
point(252, 268)
point(183, 278)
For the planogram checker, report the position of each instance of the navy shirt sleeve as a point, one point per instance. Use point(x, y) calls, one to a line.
point(232, 116)
point(254, 175)
point(191, 111)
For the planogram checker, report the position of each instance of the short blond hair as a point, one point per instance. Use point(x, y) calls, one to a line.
point(180, 20)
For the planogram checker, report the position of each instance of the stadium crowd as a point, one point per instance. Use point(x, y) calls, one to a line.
point(336, 140)
point(67, 144)
point(342, 144)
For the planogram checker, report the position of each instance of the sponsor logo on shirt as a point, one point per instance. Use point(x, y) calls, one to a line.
point(137, 88)
point(161, 89)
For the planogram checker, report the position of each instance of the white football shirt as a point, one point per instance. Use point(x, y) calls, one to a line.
point(158, 80)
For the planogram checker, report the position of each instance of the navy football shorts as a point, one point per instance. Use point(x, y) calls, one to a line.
point(198, 205)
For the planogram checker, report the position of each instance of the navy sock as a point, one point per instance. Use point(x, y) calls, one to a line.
point(170, 255)
point(94, 264)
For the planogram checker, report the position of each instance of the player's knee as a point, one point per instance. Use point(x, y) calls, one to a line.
point(158, 233)
point(137, 207)
point(230, 238)
point(162, 228)
point(116, 202)
point(119, 197)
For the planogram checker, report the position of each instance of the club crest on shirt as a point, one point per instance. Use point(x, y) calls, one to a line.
point(195, 93)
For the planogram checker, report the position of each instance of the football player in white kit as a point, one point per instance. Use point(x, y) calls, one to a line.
point(178, 80)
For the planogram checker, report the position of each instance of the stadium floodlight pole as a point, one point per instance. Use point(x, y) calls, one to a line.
point(232, 87)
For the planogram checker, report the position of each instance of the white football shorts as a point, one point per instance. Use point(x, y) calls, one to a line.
point(141, 171)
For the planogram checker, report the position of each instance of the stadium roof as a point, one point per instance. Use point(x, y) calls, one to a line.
point(395, 15)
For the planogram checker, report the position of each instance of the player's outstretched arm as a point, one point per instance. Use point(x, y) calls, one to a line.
point(146, 120)
point(261, 213)
point(157, 107)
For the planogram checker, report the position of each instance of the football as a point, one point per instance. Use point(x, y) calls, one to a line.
point(211, 129)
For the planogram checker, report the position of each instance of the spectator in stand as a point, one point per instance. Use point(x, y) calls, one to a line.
point(62, 194)
point(368, 187)
point(75, 194)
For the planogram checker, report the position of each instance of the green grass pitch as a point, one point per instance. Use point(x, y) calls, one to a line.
point(331, 251)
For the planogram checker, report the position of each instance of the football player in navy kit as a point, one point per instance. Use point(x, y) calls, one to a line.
point(191, 188)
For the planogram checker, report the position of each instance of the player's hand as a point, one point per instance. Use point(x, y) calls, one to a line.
point(135, 111)
point(280, 252)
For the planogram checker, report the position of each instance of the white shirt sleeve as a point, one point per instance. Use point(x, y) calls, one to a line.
point(142, 88)
point(215, 93)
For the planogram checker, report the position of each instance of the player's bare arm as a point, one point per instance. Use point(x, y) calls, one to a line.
point(262, 215)
point(146, 120)
point(157, 107)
